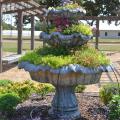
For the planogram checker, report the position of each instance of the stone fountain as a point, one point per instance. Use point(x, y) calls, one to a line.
point(66, 78)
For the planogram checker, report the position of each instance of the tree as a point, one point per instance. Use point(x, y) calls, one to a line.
point(93, 7)
point(8, 26)
point(49, 3)
point(100, 7)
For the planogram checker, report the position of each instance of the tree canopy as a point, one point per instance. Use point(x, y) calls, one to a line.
point(101, 7)
point(93, 7)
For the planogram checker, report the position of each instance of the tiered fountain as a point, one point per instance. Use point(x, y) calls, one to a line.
point(66, 77)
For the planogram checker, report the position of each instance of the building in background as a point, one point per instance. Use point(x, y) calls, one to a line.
point(109, 31)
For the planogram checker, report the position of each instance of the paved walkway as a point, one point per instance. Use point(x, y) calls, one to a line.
point(11, 72)
point(110, 77)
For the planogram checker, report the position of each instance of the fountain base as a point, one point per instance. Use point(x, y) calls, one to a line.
point(64, 104)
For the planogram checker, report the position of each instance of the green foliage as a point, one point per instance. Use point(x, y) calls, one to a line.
point(25, 89)
point(8, 102)
point(56, 58)
point(80, 88)
point(44, 89)
point(4, 83)
point(49, 3)
point(90, 57)
point(75, 28)
point(114, 107)
point(8, 26)
point(107, 92)
point(40, 26)
point(79, 28)
point(101, 7)
point(68, 6)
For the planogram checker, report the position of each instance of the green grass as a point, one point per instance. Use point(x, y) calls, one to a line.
point(15, 37)
point(107, 40)
point(110, 47)
point(11, 46)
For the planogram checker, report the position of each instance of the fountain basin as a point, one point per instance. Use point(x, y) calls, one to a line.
point(58, 39)
point(70, 13)
point(65, 79)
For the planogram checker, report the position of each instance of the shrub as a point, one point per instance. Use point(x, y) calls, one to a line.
point(114, 107)
point(5, 83)
point(43, 89)
point(80, 88)
point(25, 89)
point(8, 102)
point(107, 92)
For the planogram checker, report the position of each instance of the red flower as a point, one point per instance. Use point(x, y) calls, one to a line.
point(63, 22)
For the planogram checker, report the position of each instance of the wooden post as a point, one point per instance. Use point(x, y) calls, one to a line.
point(32, 31)
point(97, 34)
point(0, 37)
point(20, 28)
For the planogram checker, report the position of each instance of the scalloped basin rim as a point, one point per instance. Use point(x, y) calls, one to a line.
point(46, 36)
point(65, 69)
point(77, 10)
point(63, 35)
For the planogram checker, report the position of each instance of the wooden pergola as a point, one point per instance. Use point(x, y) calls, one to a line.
point(20, 8)
point(31, 8)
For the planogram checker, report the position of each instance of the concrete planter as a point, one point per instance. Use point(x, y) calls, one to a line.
point(58, 39)
point(70, 13)
point(65, 79)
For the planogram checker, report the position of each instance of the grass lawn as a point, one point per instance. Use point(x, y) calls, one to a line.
point(107, 40)
point(110, 47)
point(11, 46)
point(15, 37)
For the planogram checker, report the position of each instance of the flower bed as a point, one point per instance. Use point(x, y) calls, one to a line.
point(56, 58)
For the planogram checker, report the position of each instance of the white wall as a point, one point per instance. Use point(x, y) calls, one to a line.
point(110, 34)
point(15, 32)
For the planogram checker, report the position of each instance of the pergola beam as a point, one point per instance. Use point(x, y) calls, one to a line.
point(32, 31)
point(12, 1)
point(92, 17)
point(23, 10)
point(97, 34)
point(20, 28)
point(0, 37)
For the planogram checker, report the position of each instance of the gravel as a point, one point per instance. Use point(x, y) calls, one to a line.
point(37, 108)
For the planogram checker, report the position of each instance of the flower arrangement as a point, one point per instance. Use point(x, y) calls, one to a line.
point(66, 27)
point(56, 58)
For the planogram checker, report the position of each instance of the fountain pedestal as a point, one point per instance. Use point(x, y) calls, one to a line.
point(64, 104)
point(65, 79)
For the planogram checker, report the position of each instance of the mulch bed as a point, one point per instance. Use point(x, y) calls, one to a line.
point(37, 109)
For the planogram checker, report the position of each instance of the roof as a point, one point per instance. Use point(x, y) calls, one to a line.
point(106, 26)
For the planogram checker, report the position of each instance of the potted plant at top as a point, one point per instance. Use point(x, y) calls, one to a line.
point(67, 60)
